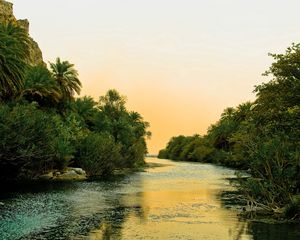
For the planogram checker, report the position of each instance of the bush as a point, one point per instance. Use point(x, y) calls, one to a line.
point(274, 164)
point(134, 155)
point(98, 154)
point(202, 153)
point(32, 142)
point(163, 154)
point(292, 210)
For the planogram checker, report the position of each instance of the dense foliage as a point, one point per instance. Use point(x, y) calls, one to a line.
point(98, 154)
point(221, 144)
point(32, 141)
point(14, 50)
point(263, 137)
point(43, 126)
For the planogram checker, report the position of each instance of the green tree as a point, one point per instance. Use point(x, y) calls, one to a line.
point(41, 87)
point(14, 52)
point(86, 109)
point(114, 116)
point(262, 136)
point(127, 128)
point(272, 146)
point(67, 78)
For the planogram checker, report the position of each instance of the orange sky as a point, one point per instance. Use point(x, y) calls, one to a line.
point(180, 63)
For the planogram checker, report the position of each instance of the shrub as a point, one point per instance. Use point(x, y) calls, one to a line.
point(98, 154)
point(32, 142)
point(133, 156)
point(274, 164)
point(292, 210)
point(163, 154)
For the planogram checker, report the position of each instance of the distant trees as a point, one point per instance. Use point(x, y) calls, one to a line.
point(262, 136)
point(217, 146)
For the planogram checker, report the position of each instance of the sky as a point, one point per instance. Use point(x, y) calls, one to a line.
point(179, 62)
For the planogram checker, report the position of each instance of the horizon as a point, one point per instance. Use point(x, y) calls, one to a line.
point(180, 69)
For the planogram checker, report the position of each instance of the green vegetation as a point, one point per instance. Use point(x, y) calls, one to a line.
point(44, 127)
point(98, 154)
point(32, 141)
point(14, 49)
point(262, 136)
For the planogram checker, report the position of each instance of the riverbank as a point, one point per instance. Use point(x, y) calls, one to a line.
point(72, 174)
point(69, 174)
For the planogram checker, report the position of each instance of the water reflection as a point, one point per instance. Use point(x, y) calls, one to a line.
point(174, 201)
point(274, 231)
point(170, 203)
point(180, 201)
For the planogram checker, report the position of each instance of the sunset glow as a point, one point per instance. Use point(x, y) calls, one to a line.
point(180, 63)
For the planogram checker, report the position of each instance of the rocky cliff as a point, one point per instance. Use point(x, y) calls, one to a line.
point(6, 15)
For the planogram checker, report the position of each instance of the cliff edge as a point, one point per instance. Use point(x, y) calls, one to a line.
point(6, 15)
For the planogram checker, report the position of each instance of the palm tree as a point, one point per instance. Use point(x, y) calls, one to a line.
point(14, 52)
point(86, 108)
point(139, 125)
point(67, 78)
point(242, 112)
point(228, 113)
point(41, 87)
point(112, 100)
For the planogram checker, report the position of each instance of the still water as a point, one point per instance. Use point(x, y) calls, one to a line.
point(170, 200)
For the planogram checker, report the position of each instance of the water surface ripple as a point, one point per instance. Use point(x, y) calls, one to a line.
point(177, 200)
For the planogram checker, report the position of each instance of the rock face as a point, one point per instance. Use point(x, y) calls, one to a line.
point(6, 15)
point(6, 12)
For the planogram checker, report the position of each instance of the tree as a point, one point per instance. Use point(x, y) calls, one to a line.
point(220, 132)
point(272, 146)
point(127, 128)
point(113, 113)
point(41, 87)
point(140, 126)
point(86, 109)
point(14, 52)
point(112, 103)
point(67, 78)
point(262, 136)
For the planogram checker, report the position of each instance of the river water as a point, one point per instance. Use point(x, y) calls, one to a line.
point(170, 200)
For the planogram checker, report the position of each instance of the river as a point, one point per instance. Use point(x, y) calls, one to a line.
point(170, 200)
